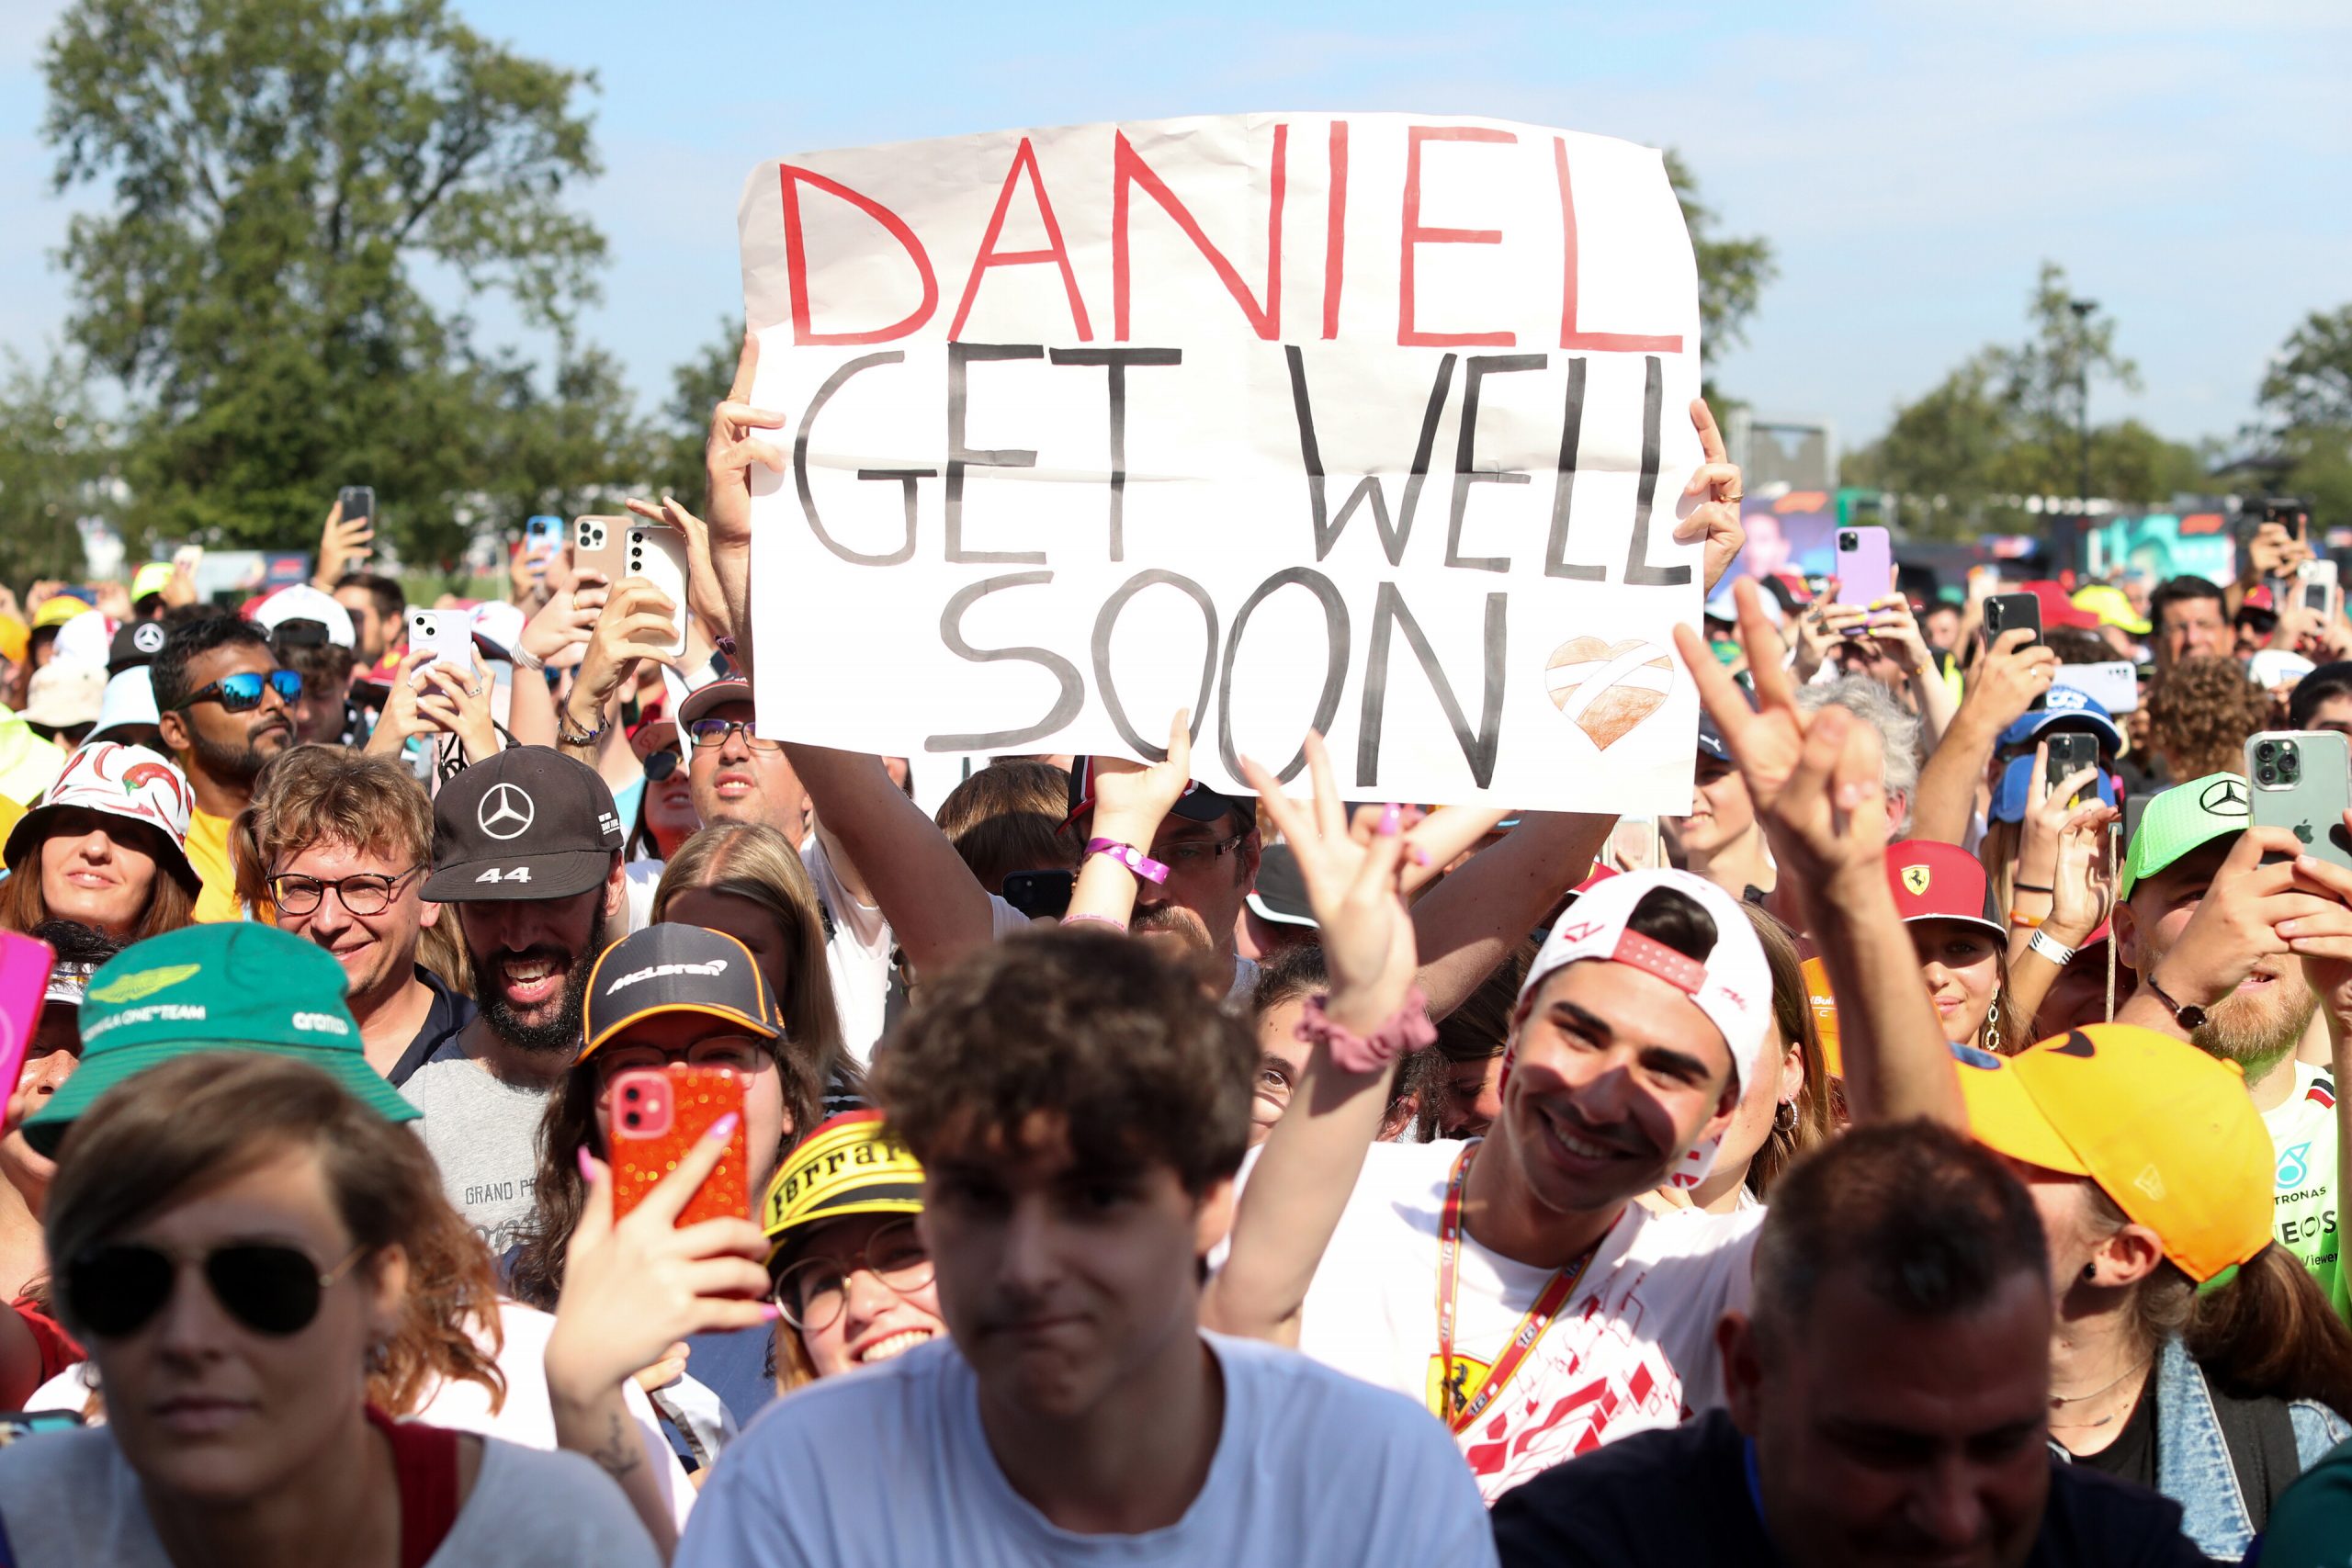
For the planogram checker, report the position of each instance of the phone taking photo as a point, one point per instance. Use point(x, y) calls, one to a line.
point(25, 965)
point(2302, 782)
point(442, 634)
point(1865, 567)
point(658, 556)
point(358, 503)
point(658, 1115)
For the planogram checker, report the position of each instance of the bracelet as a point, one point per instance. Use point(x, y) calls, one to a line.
point(1088, 917)
point(1134, 859)
point(2027, 923)
point(1408, 1029)
point(522, 658)
point(2030, 888)
point(2050, 947)
point(568, 734)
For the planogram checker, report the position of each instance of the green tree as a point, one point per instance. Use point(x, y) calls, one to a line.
point(1731, 273)
point(2003, 426)
point(279, 171)
point(57, 466)
point(2304, 429)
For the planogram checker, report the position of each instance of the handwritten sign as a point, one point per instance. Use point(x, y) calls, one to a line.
point(1372, 423)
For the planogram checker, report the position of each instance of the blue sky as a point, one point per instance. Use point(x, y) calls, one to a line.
point(1911, 164)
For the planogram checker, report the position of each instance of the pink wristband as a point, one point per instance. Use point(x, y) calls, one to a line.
point(1127, 855)
point(1408, 1029)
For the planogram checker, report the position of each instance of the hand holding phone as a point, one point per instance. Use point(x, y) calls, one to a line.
point(25, 965)
point(658, 556)
point(359, 504)
point(597, 546)
point(2302, 782)
point(442, 635)
point(2067, 755)
point(1865, 567)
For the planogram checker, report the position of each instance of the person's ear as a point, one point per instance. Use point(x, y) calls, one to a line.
point(429, 914)
point(616, 891)
point(2125, 932)
point(386, 1280)
point(2125, 1258)
point(175, 730)
point(1743, 1370)
point(1212, 1217)
point(1791, 1072)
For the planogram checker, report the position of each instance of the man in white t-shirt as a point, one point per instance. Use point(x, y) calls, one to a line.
point(1080, 1107)
point(1515, 1285)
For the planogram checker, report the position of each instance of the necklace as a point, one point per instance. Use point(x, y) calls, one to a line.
point(2058, 1399)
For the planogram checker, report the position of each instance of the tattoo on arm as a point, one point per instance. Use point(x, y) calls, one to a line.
point(620, 1452)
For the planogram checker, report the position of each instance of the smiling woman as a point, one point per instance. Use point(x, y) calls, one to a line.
point(104, 846)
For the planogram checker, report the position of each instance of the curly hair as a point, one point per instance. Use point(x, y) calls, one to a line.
point(2200, 716)
point(214, 1114)
point(328, 794)
point(1124, 1047)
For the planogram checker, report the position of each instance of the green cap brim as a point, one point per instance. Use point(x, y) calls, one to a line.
point(45, 1128)
point(2172, 828)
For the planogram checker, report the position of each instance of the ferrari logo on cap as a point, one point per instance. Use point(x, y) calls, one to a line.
point(1915, 879)
point(2224, 797)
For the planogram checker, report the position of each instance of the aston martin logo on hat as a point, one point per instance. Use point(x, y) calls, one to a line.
point(1916, 877)
point(2224, 797)
point(505, 812)
point(141, 984)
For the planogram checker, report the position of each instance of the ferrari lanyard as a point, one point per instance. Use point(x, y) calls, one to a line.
point(1454, 1407)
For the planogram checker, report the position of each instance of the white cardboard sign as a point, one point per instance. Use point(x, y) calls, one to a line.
point(1375, 423)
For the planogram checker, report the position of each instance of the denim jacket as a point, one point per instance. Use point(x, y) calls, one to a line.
point(2193, 1462)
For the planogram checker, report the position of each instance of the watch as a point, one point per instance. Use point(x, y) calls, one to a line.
point(2190, 1018)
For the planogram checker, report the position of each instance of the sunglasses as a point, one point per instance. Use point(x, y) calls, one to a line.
point(660, 765)
point(242, 693)
point(117, 1289)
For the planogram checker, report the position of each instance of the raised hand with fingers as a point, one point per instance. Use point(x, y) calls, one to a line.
point(705, 600)
point(1131, 800)
point(1715, 518)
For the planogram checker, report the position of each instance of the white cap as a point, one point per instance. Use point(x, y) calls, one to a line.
point(130, 699)
point(65, 692)
point(1732, 985)
point(304, 602)
point(499, 625)
point(120, 780)
point(85, 640)
point(2270, 668)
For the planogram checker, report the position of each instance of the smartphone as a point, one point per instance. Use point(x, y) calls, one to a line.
point(2302, 782)
point(18, 1424)
point(542, 537)
point(2114, 685)
point(658, 556)
point(657, 1112)
point(2316, 587)
point(596, 545)
point(1865, 567)
point(445, 634)
point(358, 503)
point(1040, 894)
point(2068, 755)
point(24, 963)
point(2007, 612)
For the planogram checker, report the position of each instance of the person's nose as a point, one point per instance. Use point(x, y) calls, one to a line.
point(1606, 1099)
point(1030, 1262)
point(1936, 975)
point(737, 747)
point(46, 1074)
point(1946, 1508)
point(191, 1324)
point(864, 1297)
point(95, 848)
point(331, 918)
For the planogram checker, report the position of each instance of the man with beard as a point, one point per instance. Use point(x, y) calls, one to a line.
point(225, 708)
point(2206, 921)
point(527, 845)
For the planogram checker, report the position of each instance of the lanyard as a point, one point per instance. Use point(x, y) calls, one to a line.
point(1457, 1407)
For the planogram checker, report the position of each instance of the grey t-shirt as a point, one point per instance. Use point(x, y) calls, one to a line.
point(68, 1500)
point(483, 1133)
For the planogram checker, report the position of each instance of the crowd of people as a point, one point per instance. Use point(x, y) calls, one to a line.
point(1887, 1155)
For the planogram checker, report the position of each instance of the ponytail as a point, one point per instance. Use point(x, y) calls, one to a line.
point(2271, 1332)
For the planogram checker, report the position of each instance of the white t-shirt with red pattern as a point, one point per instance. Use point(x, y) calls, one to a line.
point(1632, 1349)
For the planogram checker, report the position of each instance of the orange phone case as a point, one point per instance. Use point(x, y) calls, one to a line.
point(657, 1115)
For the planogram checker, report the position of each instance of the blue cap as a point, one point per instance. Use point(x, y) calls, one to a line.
point(2015, 792)
point(2066, 710)
point(1710, 739)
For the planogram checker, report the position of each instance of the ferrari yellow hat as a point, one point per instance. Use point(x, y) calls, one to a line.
point(850, 1164)
point(2166, 1131)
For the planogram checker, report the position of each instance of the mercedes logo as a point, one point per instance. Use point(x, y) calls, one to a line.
point(2224, 797)
point(147, 637)
point(505, 812)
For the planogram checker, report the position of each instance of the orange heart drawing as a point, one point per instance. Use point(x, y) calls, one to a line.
point(1608, 688)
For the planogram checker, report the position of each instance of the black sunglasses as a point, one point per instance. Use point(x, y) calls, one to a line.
point(241, 692)
point(660, 765)
point(117, 1289)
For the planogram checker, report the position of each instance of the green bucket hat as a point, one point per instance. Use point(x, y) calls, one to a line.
point(234, 986)
point(2184, 817)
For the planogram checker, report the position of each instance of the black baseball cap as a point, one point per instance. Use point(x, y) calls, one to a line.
point(135, 643)
point(1280, 893)
point(1197, 803)
point(1711, 741)
point(676, 968)
point(529, 823)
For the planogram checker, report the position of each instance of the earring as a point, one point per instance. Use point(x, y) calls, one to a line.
point(1784, 1116)
point(379, 1359)
point(1993, 1026)
point(2090, 1273)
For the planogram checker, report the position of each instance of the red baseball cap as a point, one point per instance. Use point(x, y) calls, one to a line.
point(1940, 881)
point(2058, 608)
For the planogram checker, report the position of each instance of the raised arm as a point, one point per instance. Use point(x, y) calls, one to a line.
point(2012, 674)
point(734, 446)
point(1816, 780)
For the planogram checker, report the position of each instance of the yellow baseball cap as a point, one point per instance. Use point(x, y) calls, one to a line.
point(16, 640)
point(851, 1165)
point(57, 609)
point(2113, 606)
point(2165, 1131)
point(151, 578)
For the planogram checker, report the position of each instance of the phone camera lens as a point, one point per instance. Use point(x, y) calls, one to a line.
point(2267, 749)
point(632, 1119)
point(2266, 775)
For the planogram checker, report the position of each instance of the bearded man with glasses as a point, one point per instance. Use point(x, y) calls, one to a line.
point(340, 843)
point(225, 709)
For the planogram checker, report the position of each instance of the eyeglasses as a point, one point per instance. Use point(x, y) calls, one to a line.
point(117, 1289)
point(813, 1291)
point(739, 1051)
point(1201, 852)
point(369, 893)
point(715, 731)
point(242, 693)
point(660, 765)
